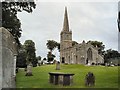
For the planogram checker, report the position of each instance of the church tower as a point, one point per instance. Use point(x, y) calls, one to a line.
point(66, 37)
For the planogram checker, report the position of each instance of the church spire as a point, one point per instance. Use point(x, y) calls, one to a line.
point(66, 23)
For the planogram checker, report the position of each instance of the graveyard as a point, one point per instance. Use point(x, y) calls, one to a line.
point(85, 64)
point(105, 77)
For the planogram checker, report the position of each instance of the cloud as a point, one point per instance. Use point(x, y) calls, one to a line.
point(88, 21)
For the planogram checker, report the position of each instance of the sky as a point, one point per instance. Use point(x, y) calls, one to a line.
point(87, 20)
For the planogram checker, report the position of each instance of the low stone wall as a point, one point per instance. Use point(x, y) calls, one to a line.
point(7, 52)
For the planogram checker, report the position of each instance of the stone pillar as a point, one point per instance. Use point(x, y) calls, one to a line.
point(7, 51)
point(66, 80)
point(15, 58)
point(1, 74)
point(56, 77)
point(72, 59)
point(51, 78)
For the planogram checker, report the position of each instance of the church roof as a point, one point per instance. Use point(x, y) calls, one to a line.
point(66, 22)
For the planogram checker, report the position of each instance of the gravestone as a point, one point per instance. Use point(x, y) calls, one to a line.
point(8, 54)
point(58, 78)
point(57, 65)
point(29, 70)
point(90, 79)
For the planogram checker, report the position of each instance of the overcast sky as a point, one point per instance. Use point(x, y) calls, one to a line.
point(87, 20)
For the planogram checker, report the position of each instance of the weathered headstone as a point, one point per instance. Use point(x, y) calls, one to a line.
point(29, 70)
point(57, 65)
point(7, 59)
point(90, 79)
point(39, 62)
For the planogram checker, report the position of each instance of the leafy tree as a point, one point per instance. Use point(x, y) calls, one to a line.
point(111, 54)
point(50, 56)
point(9, 15)
point(58, 46)
point(51, 45)
point(99, 45)
point(29, 46)
point(21, 58)
point(38, 57)
point(38, 60)
point(74, 43)
point(44, 59)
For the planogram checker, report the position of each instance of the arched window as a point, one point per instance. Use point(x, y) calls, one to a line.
point(89, 54)
point(63, 60)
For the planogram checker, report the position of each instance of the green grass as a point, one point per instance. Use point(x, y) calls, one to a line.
point(106, 77)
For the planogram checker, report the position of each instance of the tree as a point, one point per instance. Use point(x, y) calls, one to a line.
point(99, 45)
point(38, 60)
point(51, 45)
point(74, 43)
point(111, 54)
point(50, 56)
point(21, 58)
point(9, 15)
point(29, 46)
point(38, 57)
point(58, 46)
point(44, 59)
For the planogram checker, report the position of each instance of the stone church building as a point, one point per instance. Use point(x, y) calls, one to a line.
point(83, 53)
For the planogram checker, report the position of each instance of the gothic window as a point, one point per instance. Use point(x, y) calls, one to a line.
point(69, 59)
point(76, 60)
point(63, 60)
point(89, 54)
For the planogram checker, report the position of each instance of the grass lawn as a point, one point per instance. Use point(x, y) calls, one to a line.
point(106, 77)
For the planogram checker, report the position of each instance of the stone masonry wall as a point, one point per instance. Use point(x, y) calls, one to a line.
point(7, 52)
point(0, 60)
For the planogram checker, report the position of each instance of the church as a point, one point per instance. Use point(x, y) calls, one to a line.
point(80, 53)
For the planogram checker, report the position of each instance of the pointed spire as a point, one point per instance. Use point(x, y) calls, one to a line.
point(66, 23)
